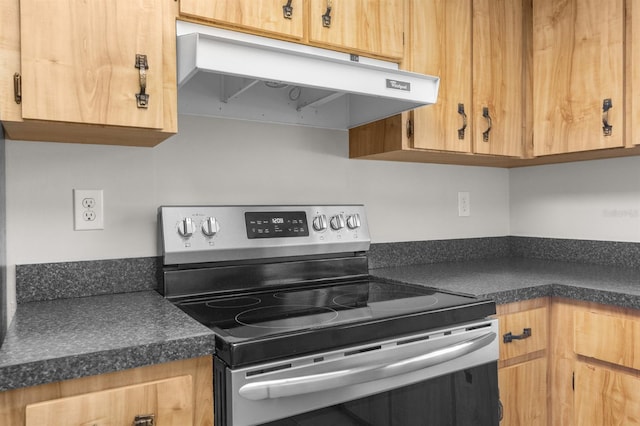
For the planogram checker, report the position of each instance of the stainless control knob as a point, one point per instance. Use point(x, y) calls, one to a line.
point(185, 227)
point(320, 223)
point(353, 221)
point(337, 222)
point(210, 226)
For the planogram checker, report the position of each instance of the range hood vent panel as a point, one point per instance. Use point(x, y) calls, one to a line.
point(234, 75)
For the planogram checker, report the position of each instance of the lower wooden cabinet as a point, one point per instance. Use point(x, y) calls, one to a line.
point(523, 393)
point(522, 373)
point(605, 396)
point(594, 369)
point(178, 393)
point(167, 401)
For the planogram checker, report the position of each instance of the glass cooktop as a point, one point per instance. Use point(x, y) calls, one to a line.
point(321, 318)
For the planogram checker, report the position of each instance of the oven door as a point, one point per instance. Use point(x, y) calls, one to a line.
point(446, 376)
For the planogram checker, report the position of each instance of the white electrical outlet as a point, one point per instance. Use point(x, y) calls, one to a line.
point(464, 204)
point(88, 209)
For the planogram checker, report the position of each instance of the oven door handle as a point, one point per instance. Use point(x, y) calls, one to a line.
point(278, 388)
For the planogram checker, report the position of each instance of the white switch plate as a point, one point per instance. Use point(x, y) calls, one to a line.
point(88, 209)
point(464, 204)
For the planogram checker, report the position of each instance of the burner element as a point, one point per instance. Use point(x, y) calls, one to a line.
point(289, 317)
point(232, 303)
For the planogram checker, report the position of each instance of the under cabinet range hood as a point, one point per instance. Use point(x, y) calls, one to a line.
point(228, 74)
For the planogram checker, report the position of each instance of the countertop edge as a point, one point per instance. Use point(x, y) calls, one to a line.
point(96, 363)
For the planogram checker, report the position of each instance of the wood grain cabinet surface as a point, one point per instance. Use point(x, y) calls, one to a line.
point(265, 17)
point(523, 362)
point(595, 367)
point(578, 67)
point(78, 73)
point(478, 49)
point(168, 402)
point(363, 27)
point(178, 393)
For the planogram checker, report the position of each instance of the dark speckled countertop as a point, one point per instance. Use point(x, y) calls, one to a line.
point(514, 279)
point(64, 339)
point(52, 340)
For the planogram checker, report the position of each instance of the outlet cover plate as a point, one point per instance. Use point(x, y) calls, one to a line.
point(88, 203)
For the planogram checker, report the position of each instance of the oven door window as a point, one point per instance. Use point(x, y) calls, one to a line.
point(467, 397)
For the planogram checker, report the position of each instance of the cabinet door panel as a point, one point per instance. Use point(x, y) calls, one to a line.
point(78, 61)
point(170, 401)
point(536, 320)
point(369, 27)
point(498, 66)
point(441, 45)
point(606, 397)
point(578, 62)
point(264, 16)
point(523, 393)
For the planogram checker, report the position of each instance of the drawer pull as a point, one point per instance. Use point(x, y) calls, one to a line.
point(508, 338)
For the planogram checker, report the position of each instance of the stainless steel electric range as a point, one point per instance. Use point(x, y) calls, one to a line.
point(305, 337)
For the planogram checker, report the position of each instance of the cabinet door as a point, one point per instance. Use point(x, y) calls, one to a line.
point(498, 70)
point(577, 65)
point(605, 397)
point(523, 393)
point(170, 401)
point(440, 44)
point(368, 27)
point(264, 16)
point(78, 61)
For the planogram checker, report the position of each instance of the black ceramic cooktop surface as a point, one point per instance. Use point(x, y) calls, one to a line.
point(265, 325)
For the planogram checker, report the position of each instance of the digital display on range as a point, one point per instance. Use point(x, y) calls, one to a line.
point(276, 224)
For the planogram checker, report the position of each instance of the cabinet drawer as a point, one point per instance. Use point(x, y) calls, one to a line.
point(607, 337)
point(534, 320)
point(169, 401)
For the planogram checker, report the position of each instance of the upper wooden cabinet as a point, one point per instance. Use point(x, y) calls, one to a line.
point(440, 44)
point(80, 76)
point(578, 75)
point(281, 18)
point(477, 48)
point(499, 75)
point(464, 41)
point(367, 27)
point(364, 27)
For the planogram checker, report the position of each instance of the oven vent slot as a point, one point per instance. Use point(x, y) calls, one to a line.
point(415, 339)
point(359, 351)
point(268, 370)
point(478, 327)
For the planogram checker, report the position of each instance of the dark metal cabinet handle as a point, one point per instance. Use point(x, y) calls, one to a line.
point(508, 338)
point(607, 129)
point(142, 98)
point(17, 88)
point(485, 134)
point(409, 129)
point(287, 10)
point(326, 18)
point(462, 129)
point(144, 420)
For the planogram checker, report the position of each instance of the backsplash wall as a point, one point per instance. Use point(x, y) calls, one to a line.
point(589, 200)
point(229, 161)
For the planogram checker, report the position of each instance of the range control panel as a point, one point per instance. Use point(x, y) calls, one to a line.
point(276, 224)
point(197, 234)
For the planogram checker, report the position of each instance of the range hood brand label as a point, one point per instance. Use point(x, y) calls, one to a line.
point(398, 85)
